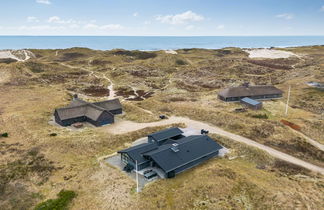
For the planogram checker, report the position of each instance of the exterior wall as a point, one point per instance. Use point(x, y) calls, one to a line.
point(261, 97)
point(116, 111)
point(104, 119)
point(144, 165)
point(127, 160)
point(250, 106)
point(57, 118)
point(69, 122)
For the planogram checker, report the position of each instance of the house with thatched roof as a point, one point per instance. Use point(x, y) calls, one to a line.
point(262, 92)
point(98, 113)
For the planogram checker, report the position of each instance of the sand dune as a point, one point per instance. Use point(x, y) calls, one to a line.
point(269, 53)
point(19, 55)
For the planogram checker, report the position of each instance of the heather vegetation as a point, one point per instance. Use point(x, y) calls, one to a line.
point(39, 159)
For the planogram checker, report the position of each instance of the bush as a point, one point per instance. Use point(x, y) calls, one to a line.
point(5, 135)
point(64, 199)
point(53, 134)
point(136, 53)
point(180, 62)
point(35, 67)
point(260, 116)
point(263, 130)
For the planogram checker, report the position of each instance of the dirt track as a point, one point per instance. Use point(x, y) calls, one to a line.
point(128, 126)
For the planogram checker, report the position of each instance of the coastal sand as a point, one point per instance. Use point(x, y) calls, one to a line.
point(269, 53)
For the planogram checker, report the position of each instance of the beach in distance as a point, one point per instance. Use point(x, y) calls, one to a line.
point(150, 43)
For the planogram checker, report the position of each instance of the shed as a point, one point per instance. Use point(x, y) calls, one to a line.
point(250, 103)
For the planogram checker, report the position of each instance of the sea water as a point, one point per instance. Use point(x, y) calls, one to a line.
point(155, 42)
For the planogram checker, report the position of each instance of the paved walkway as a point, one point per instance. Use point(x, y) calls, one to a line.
point(128, 126)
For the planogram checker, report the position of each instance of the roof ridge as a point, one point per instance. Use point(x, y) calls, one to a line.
point(85, 104)
point(191, 138)
point(72, 107)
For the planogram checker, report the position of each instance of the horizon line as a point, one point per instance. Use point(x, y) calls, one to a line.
point(163, 35)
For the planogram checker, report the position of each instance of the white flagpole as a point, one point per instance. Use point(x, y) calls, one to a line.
point(288, 100)
point(137, 190)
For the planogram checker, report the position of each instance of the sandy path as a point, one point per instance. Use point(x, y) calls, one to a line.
point(128, 126)
point(311, 141)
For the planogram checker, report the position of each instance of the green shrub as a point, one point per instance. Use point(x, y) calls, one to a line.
point(35, 67)
point(260, 116)
point(53, 134)
point(180, 62)
point(136, 54)
point(4, 135)
point(64, 199)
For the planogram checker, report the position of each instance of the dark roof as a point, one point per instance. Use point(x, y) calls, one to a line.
point(79, 108)
point(190, 148)
point(136, 152)
point(166, 134)
point(249, 91)
point(109, 104)
point(250, 101)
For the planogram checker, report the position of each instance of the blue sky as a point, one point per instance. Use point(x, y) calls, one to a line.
point(162, 17)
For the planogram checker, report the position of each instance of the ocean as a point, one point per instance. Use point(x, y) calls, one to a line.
point(155, 42)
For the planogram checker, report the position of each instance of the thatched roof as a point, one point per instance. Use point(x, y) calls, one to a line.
point(249, 91)
point(79, 108)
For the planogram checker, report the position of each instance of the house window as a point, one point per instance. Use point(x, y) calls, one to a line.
point(125, 158)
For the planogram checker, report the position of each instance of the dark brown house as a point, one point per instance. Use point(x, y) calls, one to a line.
point(98, 113)
point(265, 92)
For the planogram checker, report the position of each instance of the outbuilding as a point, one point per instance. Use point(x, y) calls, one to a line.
point(251, 104)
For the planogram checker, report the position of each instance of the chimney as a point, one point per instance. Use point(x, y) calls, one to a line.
point(175, 147)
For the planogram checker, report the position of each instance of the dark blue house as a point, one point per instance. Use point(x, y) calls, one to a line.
point(172, 155)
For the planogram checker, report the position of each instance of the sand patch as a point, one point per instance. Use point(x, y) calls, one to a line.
point(19, 55)
point(171, 52)
point(269, 53)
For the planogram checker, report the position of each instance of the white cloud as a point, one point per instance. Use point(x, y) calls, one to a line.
point(38, 28)
point(135, 14)
point(285, 16)
point(43, 2)
point(32, 19)
point(54, 19)
point(104, 27)
point(182, 18)
point(74, 26)
point(147, 22)
point(220, 27)
point(58, 20)
point(190, 27)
